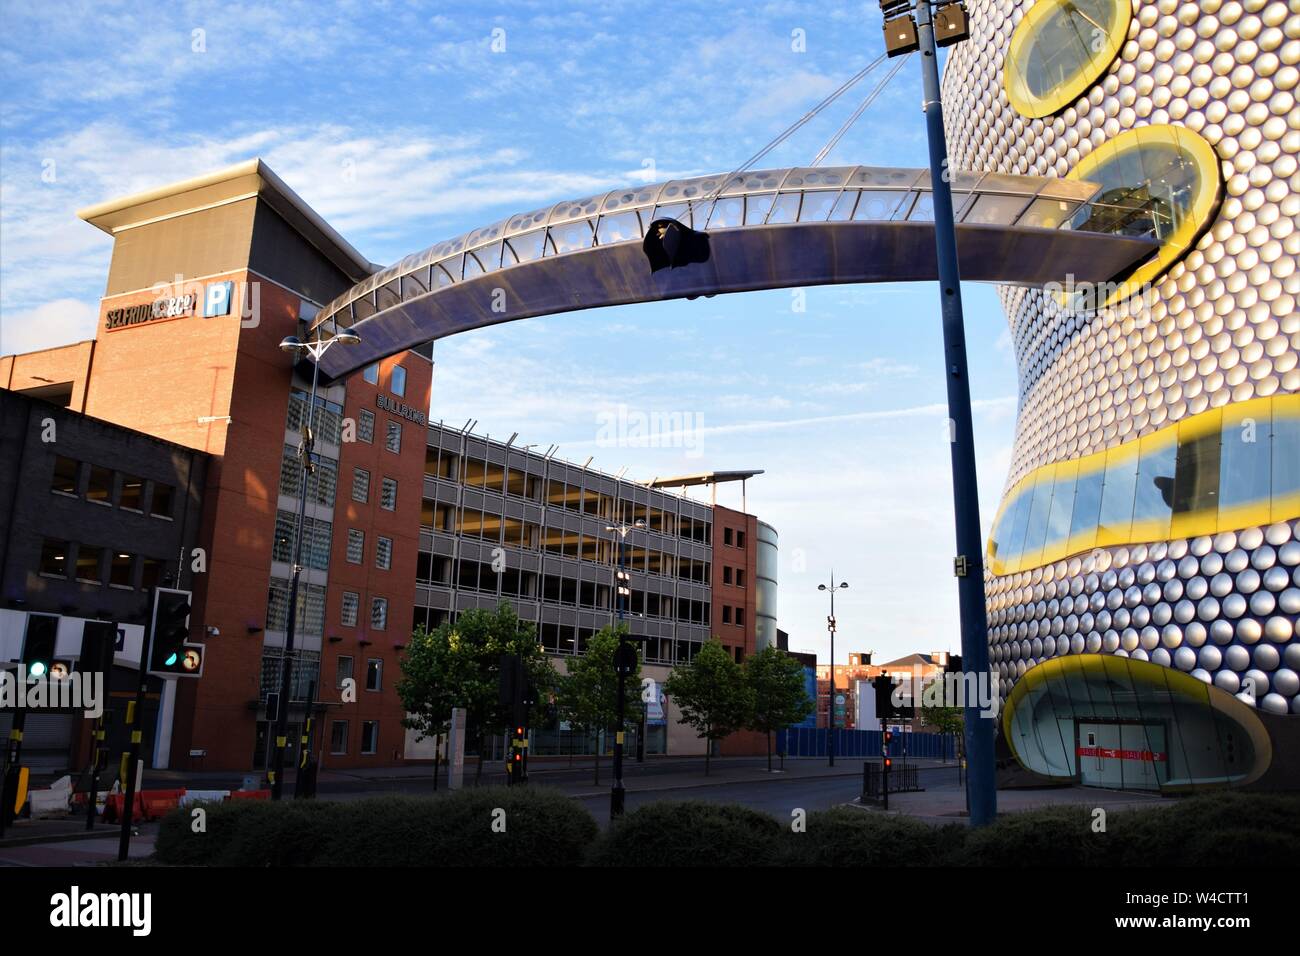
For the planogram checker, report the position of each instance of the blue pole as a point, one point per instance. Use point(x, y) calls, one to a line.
point(981, 787)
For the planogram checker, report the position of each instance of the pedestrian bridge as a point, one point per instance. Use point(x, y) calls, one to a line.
point(768, 229)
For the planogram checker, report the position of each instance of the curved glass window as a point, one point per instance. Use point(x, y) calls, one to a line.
point(1059, 49)
point(1221, 470)
point(1160, 182)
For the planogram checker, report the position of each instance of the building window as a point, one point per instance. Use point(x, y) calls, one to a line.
point(398, 381)
point(338, 737)
point(383, 553)
point(371, 374)
point(726, 614)
point(740, 617)
point(132, 493)
point(163, 503)
point(100, 487)
point(54, 558)
point(726, 574)
point(369, 736)
point(366, 426)
point(379, 613)
point(356, 546)
point(343, 672)
point(151, 573)
point(388, 494)
point(351, 601)
point(119, 571)
point(394, 440)
point(360, 485)
point(374, 674)
point(89, 560)
point(740, 539)
point(66, 472)
point(740, 578)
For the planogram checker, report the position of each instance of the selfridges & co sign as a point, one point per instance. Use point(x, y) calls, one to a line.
point(168, 307)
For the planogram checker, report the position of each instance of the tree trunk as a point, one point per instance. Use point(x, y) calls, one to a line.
point(597, 749)
point(437, 744)
point(708, 754)
point(482, 745)
point(769, 751)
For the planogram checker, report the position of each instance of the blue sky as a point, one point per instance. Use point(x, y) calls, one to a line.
point(402, 125)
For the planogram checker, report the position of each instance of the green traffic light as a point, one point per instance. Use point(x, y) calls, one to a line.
point(37, 669)
point(171, 659)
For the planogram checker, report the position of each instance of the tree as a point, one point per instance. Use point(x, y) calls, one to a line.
point(935, 713)
point(430, 686)
point(588, 694)
point(470, 675)
point(710, 692)
point(776, 684)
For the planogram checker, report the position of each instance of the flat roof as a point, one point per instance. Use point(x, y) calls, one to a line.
point(240, 181)
point(703, 478)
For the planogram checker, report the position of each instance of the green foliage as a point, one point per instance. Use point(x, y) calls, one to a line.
point(1050, 836)
point(542, 828)
point(1213, 829)
point(711, 693)
point(776, 688)
point(691, 833)
point(849, 836)
point(588, 694)
point(459, 665)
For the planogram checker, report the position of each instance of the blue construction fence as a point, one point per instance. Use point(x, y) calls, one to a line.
point(811, 742)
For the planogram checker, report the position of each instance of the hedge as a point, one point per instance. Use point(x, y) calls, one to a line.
point(690, 833)
point(545, 828)
point(541, 828)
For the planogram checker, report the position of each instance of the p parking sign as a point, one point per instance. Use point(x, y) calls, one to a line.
point(216, 299)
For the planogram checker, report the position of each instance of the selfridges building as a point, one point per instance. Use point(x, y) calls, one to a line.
point(1143, 573)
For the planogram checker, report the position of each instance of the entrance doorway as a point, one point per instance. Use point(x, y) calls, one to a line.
point(1123, 756)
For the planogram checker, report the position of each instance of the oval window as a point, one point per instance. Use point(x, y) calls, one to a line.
point(1059, 49)
point(1158, 182)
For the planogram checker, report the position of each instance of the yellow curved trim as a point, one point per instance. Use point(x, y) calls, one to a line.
point(1198, 217)
point(1281, 507)
point(1063, 94)
point(1123, 669)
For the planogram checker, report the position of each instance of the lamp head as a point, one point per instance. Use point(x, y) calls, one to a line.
point(291, 343)
point(347, 337)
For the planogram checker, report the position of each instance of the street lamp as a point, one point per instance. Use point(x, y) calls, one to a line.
point(316, 348)
point(830, 692)
point(945, 22)
point(624, 663)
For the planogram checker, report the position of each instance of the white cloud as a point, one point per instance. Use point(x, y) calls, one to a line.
point(60, 322)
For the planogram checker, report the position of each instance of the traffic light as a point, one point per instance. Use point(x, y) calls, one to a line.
point(169, 652)
point(885, 739)
point(669, 244)
point(98, 640)
point(38, 646)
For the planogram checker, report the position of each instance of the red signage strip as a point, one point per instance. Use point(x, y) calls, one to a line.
point(1147, 755)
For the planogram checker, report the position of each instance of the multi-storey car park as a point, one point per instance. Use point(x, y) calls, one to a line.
point(401, 518)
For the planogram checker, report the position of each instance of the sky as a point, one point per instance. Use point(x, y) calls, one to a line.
point(403, 124)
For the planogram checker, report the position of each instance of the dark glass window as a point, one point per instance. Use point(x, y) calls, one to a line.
point(1117, 493)
point(371, 374)
point(1036, 533)
point(339, 737)
point(151, 573)
point(132, 493)
point(100, 486)
point(1196, 474)
point(54, 558)
point(1155, 482)
point(66, 472)
point(1058, 521)
point(119, 571)
point(374, 673)
point(369, 736)
point(163, 500)
point(398, 381)
point(90, 558)
point(1087, 502)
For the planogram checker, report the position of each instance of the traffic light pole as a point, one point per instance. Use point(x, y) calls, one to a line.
point(134, 721)
point(291, 619)
point(617, 794)
point(969, 566)
point(13, 763)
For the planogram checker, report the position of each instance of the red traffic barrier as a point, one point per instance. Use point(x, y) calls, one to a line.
point(250, 794)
